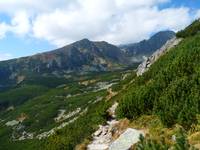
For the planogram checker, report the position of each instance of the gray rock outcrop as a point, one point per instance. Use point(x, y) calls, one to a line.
point(126, 140)
point(143, 67)
point(103, 137)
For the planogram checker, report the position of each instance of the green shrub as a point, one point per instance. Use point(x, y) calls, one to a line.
point(170, 89)
point(191, 30)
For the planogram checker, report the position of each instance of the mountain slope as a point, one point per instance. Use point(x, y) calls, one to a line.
point(79, 57)
point(73, 57)
point(143, 67)
point(170, 89)
point(53, 112)
point(68, 110)
point(147, 47)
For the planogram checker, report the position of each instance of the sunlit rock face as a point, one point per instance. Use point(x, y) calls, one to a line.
point(143, 67)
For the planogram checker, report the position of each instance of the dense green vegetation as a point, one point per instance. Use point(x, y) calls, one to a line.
point(181, 143)
point(190, 30)
point(19, 95)
point(82, 128)
point(40, 98)
point(170, 89)
point(168, 94)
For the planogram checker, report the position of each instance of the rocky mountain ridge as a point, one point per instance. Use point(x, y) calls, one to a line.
point(79, 57)
point(137, 51)
point(145, 65)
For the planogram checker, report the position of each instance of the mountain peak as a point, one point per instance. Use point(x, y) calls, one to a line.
point(84, 40)
point(166, 33)
point(149, 46)
point(83, 43)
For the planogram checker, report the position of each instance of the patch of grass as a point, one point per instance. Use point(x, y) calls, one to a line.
point(42, 108)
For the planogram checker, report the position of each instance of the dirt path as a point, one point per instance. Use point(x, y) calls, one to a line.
point(110, 94)
point(102, 138)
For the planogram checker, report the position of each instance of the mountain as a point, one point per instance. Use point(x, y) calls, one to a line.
point(147, 47)
point(170, 87)
point(50, 111)
point(82, 55)
point(79, 57)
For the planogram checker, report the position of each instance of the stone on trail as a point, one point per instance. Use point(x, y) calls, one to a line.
point(97, 147)
point(12, 123)
point(126, 140)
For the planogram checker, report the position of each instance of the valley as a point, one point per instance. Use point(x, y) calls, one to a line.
point(47, 110)
point(105, 101)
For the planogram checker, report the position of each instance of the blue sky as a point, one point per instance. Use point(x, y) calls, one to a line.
point(28, 27)
point(193, 4)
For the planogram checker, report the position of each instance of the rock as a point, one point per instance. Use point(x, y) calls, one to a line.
point(20, 127)
point(26, 135)
point(174, 138)
point(125, 76)
point(142, 68)
point(98, 147)
point(12, 123)
point(98, 99)
point(62, 116)
point(126, 140)
point(86, 83)
point(112, 110)
point(111, 94)
point(103, 86)
point(102, 138)
point(53, 130)
point(20, 79)
point(11, 108)
point(98, 132)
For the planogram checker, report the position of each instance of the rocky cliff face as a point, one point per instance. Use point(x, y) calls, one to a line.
point(143, 67)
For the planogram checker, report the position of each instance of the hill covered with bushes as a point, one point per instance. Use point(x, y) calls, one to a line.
point(170, 89)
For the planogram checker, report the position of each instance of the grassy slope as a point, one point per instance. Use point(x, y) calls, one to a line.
point(168, 96)
point(170, 88)
point(41, 102)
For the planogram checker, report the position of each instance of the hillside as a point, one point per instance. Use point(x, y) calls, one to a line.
point(169, 90)
point(80, 57)
point(35, 112)
point(47, 95)
point(162, 104)
point(146, 47)
point(173, 79)
point(66, 108)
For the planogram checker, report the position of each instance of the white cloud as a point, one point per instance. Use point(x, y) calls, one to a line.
point(20, 25)
point(5, 56)
point(138, 3)
point(116, 21)
point(33, 6)
point(148, 20)
point(197, 14)
point(4, 28)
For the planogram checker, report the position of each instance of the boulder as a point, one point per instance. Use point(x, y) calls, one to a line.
point(126, 140)
point(12, 123)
